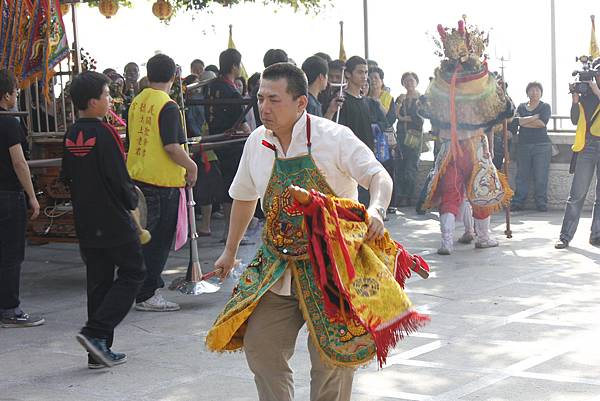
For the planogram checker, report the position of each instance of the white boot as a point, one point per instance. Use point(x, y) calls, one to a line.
point(447, 228)
point(482, 230)
point(467, 218)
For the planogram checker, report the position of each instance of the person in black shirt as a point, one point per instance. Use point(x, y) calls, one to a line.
point(14, 178)
point(161, 167)
point(226, 117)
point(355, 111)
point(103, 196)
point(534, 149)
point(409, 129)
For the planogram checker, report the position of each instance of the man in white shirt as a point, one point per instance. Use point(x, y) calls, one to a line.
point(270, 305)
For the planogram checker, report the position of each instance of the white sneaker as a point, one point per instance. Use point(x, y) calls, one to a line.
point(488, 243)
point(157, 304)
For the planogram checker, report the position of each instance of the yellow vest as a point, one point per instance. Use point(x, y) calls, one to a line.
point(147, 160)
point(582, 129)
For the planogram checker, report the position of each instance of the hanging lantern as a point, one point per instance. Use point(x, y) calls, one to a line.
point(162, 9)
point(108, 8)
point(64, 9)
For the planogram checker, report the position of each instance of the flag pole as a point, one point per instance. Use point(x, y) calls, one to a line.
point(553, 55)
point(342, 51)
point(366, 28)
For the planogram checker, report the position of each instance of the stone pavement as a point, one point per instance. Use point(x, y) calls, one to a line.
point(515, 323)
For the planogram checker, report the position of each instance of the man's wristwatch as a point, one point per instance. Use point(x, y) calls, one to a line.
point(381, 212)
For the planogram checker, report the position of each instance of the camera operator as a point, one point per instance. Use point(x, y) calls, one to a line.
point(585, 112)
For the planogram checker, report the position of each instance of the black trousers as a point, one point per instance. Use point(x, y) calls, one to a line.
point(110, 299)
point(163, 207)
point(12, 248)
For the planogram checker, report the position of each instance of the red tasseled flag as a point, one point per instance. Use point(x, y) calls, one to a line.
point(461, 27)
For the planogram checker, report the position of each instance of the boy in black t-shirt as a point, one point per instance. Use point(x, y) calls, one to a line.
point(103, 196)
point(16, 189)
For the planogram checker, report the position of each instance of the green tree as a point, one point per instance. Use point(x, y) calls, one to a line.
point(194, 6)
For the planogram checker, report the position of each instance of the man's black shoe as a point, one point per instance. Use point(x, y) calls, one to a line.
point(97, 348)
point(561, 244)
point(516, 208)
point(118, 358)
point(22, 320)
point(542, 208)
point(595, 241)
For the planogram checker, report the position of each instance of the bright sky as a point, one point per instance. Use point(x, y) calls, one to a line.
point(398, 36)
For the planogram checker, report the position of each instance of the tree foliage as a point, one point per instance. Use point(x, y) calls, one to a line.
point(193, 6)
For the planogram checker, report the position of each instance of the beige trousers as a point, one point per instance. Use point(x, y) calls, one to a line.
point(269, 343)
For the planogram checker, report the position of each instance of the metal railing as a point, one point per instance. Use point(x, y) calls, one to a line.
point(49, 116)
point(561, 124)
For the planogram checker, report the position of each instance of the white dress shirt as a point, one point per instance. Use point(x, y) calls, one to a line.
point(342, 158)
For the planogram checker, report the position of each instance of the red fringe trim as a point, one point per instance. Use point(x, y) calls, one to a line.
point(406, 264)
point(387, 337)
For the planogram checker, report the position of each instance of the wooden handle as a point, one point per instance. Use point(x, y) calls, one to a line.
point(144, 235)
point(300, 194)
point(422, 272)
point(211, 274)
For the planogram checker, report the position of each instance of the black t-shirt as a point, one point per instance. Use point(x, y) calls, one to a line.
point(11, 134)
point(220, 117)
point(170, 125)
point(355, 115)
point(534, 135)
point(101, 189)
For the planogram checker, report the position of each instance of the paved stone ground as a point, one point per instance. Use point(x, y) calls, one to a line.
point(518, 322)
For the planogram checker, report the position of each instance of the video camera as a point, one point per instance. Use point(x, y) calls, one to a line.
point(586, 74)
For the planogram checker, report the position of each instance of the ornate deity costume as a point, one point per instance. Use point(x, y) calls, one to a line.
point(349, 291)
point(464, 100)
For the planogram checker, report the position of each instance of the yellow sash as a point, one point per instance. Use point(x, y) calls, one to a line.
point(582, 129)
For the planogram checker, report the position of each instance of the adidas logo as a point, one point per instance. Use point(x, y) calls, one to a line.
point(80, 148)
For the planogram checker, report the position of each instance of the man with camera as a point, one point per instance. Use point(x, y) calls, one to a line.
point(585, 112)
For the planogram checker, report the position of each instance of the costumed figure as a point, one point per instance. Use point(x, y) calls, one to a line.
point(325, 260)
point(464, 100)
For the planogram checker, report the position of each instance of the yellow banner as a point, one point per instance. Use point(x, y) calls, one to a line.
point(594, 51)
point(231, 45)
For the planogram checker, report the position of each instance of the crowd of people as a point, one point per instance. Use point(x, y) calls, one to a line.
point(328, 125)
point(391, 127)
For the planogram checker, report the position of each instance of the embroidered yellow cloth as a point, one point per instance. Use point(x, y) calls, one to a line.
point(360, 280)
